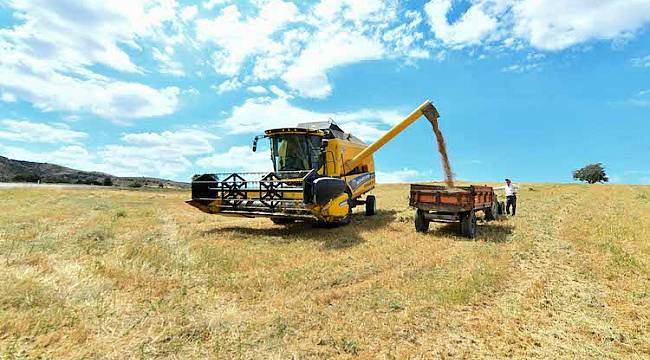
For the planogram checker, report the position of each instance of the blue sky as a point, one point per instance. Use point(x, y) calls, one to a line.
point(528, 89)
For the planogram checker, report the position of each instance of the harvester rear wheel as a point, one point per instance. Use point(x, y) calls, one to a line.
point(468, 224)
point(371, 205)
point(421, 223)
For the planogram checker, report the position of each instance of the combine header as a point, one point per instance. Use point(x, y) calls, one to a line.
point(320, 174)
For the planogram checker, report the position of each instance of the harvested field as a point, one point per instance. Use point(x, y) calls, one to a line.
point(95, 273)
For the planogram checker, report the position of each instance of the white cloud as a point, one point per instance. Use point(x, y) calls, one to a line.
point(167, 64)
point(398, 176)
point(228, 85)
point(192, 91)
point(8, 97)
point(238, 37)
point(556, 25)
point(404, 38)
point(164, 154)
point(632, 177)
point(237, 158)
point(70, 34)
point(641, 61)
point(117, 100)
point(26, 131)
point(277, 40)
point(257, 114)
point(521, 68)
point(189, 12)
point(185, 141)
point(73, 156)
point(142, 160)
point(471, 28)
point(548, 25)
point(45, 58)
point(308, 74)
point(257, 89)
point(641, 99)
point(210, 4)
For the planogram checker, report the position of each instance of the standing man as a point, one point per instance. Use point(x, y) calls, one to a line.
point(511, 196)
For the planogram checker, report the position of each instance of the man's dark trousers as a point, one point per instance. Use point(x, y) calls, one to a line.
point(511, 201)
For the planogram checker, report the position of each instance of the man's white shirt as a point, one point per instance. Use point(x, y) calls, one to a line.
point(511, 190)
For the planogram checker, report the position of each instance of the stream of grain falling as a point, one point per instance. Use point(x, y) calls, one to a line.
point(442, 149)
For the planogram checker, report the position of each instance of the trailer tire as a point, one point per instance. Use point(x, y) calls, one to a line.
point(371, 205)
point(493, 212)
point(421, 223)
point(468, 224)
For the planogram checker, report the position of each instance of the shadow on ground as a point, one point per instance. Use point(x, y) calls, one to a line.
point(496, 232)
point(331, 238)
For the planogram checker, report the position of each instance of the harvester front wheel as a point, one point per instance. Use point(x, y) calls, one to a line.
point(346, 220)
point(421, 223)
point(371, 205)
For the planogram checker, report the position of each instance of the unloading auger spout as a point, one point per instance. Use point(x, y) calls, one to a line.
point(427, 109)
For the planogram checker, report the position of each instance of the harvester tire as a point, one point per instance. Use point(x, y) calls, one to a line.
point(468, 224)
point(421, 223)
point(371, 205)
point(346, 220)
point(282, 221)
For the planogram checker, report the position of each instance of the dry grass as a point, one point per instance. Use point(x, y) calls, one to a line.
point(117, 274)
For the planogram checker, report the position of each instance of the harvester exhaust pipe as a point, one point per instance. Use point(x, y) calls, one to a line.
point(427, 109)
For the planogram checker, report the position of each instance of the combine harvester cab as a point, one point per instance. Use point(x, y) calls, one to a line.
point(320, 174)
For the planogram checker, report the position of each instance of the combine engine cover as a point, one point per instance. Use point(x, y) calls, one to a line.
point(272, 194)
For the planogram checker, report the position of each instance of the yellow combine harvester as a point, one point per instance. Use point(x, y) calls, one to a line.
point(320, 174)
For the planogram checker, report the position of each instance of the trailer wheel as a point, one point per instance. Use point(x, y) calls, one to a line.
point(493, 212)
point(371, 205)
point(468, 224)
point(421, 224)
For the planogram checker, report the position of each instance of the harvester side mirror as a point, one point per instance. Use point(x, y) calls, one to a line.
point(255, 142)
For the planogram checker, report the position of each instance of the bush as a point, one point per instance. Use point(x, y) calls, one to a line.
point(107, 181)
point(591, 174)
point(26, 177)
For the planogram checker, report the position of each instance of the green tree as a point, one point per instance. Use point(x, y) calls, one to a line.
point(26, 177)
point(108, 181)
point(591, 174)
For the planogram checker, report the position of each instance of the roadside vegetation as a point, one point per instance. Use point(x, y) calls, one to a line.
point(108, 273)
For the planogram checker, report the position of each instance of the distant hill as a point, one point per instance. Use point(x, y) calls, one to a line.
point(27, 171)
